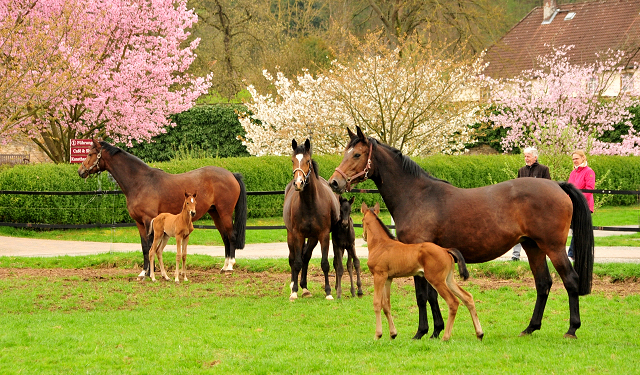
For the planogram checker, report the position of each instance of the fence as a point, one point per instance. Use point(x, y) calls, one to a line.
point(278, 192)
point(14, 158)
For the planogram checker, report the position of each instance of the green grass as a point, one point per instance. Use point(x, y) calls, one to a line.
point(198, 237)
point(605, 216)
point(246, 325)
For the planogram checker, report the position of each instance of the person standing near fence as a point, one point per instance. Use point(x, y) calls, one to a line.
point(531, 169)
point(582, 177)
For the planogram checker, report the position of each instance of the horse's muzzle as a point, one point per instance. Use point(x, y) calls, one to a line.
point(338, 184)
point(192, 213)
point(83, 172)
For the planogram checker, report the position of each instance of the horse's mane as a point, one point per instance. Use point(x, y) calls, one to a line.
point(408, 165)
point(112, 150)
point(314, 164)
point(383, 226)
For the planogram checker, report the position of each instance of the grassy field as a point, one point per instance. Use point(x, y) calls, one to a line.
point(605, 216)
point(90, 315)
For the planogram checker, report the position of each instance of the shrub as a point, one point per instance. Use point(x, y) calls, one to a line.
point(269, 173)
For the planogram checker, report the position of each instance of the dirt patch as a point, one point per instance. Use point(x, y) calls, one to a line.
point(277, 280)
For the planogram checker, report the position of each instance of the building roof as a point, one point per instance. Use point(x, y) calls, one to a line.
point(594, 27)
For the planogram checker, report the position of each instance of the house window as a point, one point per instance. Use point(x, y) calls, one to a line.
point(626, 83)
point(592, 84)
point(569, 16)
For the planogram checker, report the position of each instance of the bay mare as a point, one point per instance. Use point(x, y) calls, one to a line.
point(483, 223)
point(150, 192)
point(310, 209)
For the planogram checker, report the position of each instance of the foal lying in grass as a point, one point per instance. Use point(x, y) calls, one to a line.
point(179, 226)
point(390, 258)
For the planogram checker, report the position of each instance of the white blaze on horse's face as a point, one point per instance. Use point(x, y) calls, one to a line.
point(299, 174)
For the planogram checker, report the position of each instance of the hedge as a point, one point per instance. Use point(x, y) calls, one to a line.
point(269, 173)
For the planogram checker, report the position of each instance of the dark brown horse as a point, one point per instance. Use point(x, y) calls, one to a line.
point(310, 209)
point(150, 192)
point(483, 223)
point(343, 237)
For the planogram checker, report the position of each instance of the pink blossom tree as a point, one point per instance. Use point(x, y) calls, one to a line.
point(561, 106)
point(95, 68)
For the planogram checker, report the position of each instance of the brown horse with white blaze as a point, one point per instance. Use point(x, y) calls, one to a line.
point(389, 259)
point(180, 226)
point(150, 192)
point(482, 223)
point(310, 209)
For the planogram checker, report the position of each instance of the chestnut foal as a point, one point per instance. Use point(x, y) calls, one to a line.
point(179, 226)
point(390, 258)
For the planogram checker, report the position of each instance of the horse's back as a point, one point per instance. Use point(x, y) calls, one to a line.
point(484, 223)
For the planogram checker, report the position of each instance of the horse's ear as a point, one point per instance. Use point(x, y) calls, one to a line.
point(195, 194)
point(294, 144)
point(186, 194)
point(376, 208)
point(363, 207)
point(360, 133)
point(352, 199)
point(307, 145)
point(96, 142)
point(352, 135)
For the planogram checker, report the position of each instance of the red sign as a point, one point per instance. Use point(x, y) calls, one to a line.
point(79, 150)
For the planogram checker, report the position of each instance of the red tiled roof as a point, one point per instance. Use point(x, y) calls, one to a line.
point(596, 27)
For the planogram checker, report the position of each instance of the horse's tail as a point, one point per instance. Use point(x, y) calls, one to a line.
point(150, 228)
point(240, 221)
point(582, 237)
point(462, 265)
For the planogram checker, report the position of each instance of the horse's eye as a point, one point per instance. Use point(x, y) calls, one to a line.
point(356, 155)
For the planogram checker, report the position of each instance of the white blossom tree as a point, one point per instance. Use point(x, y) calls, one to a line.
point(413, 98)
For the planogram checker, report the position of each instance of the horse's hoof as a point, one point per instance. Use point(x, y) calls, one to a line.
point(524, 333)
point(480, 336)
point(293, 296)
point(377, 337)
point(419, 335)
point(142, 274)
point(394, 335)
point(306, 293)
point(570, 336)
point(329, 297)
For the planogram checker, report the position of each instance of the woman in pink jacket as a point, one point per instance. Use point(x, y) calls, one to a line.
point(582, 177)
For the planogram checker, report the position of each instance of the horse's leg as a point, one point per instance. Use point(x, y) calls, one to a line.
point(296, 244)
point(178, 257)
point(452, 303)
point(146, 242)
point(355, 263)
point(152, 254)
point(338, 253)
point(165, 239)
point(184, 258)
point(379, 281)
point(224, 223)
point(542, 277)
point(424, 293)
point(467, 300)
point(386, 306)
point(570, 279)
point(324, 245)
point(307, 251)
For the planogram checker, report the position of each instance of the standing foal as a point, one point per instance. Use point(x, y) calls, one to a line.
point(390, 258)
point(179, 226)
point(344, 238)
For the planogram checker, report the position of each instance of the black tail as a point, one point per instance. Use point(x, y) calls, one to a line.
point(462, 265)
point(582, 237)
point(240, 221)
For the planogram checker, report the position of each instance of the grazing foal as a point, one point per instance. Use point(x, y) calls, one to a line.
point(179, 226)
point(344, 238)
point(390, 258)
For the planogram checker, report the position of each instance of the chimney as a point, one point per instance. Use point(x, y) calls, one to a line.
point(549, 10)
